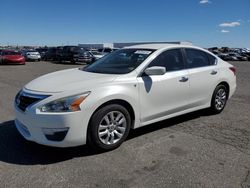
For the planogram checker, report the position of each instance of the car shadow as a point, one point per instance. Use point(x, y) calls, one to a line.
point(167, 123)
point(16, 150)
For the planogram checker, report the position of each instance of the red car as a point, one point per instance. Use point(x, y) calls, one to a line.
point(11, 57)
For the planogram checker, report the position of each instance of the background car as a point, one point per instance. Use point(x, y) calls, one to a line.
point(67, 53)
point(96, 54)
point(53, 54)
point(42, 51)
point(32, 55)
point(84, 57)
point(11, 57)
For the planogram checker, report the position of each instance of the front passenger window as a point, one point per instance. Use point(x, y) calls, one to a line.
point(171, 59)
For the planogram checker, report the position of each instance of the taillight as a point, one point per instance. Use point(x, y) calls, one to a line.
point(233, 69)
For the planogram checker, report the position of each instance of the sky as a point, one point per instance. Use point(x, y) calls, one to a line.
point(205, 23)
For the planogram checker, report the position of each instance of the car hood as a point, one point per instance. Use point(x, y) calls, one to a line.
point(66, 80)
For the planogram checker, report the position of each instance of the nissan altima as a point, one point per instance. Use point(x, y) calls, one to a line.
point(129, 88)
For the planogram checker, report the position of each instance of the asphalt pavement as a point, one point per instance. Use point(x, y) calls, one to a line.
point(193, 150)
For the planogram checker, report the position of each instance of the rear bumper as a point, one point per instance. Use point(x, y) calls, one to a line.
point(232, 90)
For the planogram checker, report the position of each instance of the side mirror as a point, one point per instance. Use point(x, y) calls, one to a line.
point(156, 70)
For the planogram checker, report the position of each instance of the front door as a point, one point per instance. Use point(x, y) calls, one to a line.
point(162, 95)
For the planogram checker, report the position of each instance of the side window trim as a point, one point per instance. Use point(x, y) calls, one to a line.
point(184, 56)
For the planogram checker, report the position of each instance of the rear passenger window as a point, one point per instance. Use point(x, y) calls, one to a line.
point(196, 58)
point(212, 59)
point(171, 59)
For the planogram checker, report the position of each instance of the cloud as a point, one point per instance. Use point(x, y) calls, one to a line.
point(230, 24)
point(204, 1)
point(224, 31)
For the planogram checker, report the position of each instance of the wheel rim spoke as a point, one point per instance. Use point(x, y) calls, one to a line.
point(118, 117)
point(121, 121)
point(112, 116)
point(103, 127)
point(119, 135)
point(112, 138)
point(101, 134)
point(106, 140)
point(107, 120)
point(122, 129)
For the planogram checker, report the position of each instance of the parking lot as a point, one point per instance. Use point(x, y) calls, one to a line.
point(193, 150)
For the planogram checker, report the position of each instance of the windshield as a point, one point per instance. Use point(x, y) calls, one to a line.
point(119, 62)
point(11, 53)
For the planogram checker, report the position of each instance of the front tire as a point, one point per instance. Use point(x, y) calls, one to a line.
point(109, 127)
point(219, 99)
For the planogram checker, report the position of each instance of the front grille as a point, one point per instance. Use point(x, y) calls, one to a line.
point(24, 100)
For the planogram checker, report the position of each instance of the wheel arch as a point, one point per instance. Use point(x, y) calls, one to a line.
point(121, 102)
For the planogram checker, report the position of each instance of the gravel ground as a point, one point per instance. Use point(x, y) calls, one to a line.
point(193, 150)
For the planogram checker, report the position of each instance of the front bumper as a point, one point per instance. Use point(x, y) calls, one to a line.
point(52, 129)
point(19, 62)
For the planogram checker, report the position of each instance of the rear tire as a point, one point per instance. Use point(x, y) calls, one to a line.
point(109, 127)
point(219, 99)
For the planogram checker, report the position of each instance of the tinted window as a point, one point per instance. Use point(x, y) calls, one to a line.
point(212, 59)
point(171, 59)
point(196, 58)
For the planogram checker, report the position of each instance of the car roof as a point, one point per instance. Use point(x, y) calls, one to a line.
point(157, 46)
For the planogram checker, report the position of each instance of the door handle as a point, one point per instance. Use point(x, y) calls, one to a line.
point(183, 79)
point(213, 72)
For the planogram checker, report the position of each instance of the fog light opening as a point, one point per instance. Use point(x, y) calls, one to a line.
point(55, 134)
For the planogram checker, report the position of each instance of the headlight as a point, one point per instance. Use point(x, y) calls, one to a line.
point(67, 104)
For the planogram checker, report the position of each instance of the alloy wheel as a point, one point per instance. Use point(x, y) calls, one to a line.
point(112, 127)
point(220, 99)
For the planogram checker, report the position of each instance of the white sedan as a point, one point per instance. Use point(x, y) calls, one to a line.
point(127, 89)
point(32, 56)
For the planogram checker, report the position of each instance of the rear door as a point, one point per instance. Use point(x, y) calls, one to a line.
point(203, 75)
